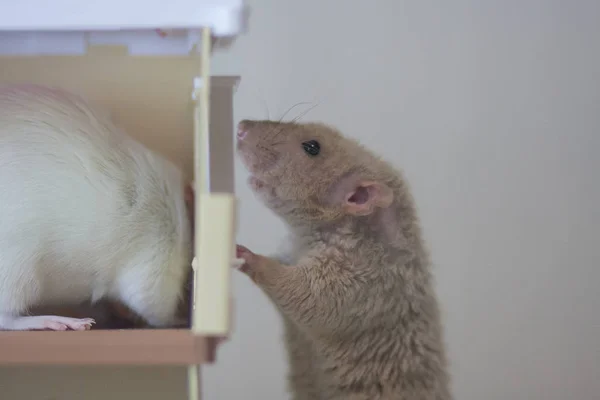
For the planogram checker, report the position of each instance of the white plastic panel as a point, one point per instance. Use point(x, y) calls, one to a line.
point(224, 17)
point(139, 43)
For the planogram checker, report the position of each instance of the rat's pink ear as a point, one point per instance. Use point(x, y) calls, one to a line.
point(365, 196)
point(189, 195)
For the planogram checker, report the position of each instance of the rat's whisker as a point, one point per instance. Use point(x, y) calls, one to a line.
point(267, 109)
point(305, 112)
point(270, 131)
point(278, 132)
point(291, 108)
point(262, 99)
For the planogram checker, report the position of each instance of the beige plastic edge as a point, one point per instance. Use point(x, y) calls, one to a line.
point(201, 151)
point(214, 229)
point(194, 382)
point(214, 223)
point(214, 257)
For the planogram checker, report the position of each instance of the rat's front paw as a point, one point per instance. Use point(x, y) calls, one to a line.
point(245, 254)
point(254, 265)
point(250, 259)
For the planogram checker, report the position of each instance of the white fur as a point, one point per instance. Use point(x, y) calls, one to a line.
point(86, 212)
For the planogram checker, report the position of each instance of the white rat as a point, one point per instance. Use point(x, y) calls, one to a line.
point(86, 213)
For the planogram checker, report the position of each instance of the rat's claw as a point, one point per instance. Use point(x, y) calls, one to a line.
point(243, 252)
point(246, 256)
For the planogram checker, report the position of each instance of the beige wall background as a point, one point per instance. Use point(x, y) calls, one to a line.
point(492, 109)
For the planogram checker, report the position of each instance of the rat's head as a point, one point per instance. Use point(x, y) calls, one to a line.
point(310, 173)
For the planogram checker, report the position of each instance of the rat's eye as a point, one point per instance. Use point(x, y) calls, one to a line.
point(311, 147)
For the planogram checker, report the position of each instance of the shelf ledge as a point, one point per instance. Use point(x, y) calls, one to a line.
point(106, 347)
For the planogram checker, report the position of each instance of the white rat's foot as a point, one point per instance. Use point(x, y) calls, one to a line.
point(45, 322)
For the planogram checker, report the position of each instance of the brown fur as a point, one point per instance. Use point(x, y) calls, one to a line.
point(355, 288)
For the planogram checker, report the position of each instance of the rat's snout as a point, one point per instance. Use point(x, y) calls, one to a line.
point(243, 129)
point(254, 151)
point(247, 142)
point(241, 133)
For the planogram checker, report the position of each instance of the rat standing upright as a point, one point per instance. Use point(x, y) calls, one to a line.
point(355, 288)
point(86, 213)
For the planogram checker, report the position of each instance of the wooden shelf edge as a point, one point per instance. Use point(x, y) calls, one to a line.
point(106, 347)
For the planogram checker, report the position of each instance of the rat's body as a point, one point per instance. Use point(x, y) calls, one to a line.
point(86, 213)
point(354, 288)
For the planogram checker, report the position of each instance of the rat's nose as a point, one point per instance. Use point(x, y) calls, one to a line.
point(241, 133)
point(242, 129)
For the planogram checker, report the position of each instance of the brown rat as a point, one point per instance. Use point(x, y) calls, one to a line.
point(355, 289)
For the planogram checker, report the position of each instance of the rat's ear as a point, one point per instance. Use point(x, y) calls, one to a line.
point(361, 197)
point(189, 196)
point(365, 196)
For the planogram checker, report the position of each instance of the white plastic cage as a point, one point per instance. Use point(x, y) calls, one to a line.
point(148, 28)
